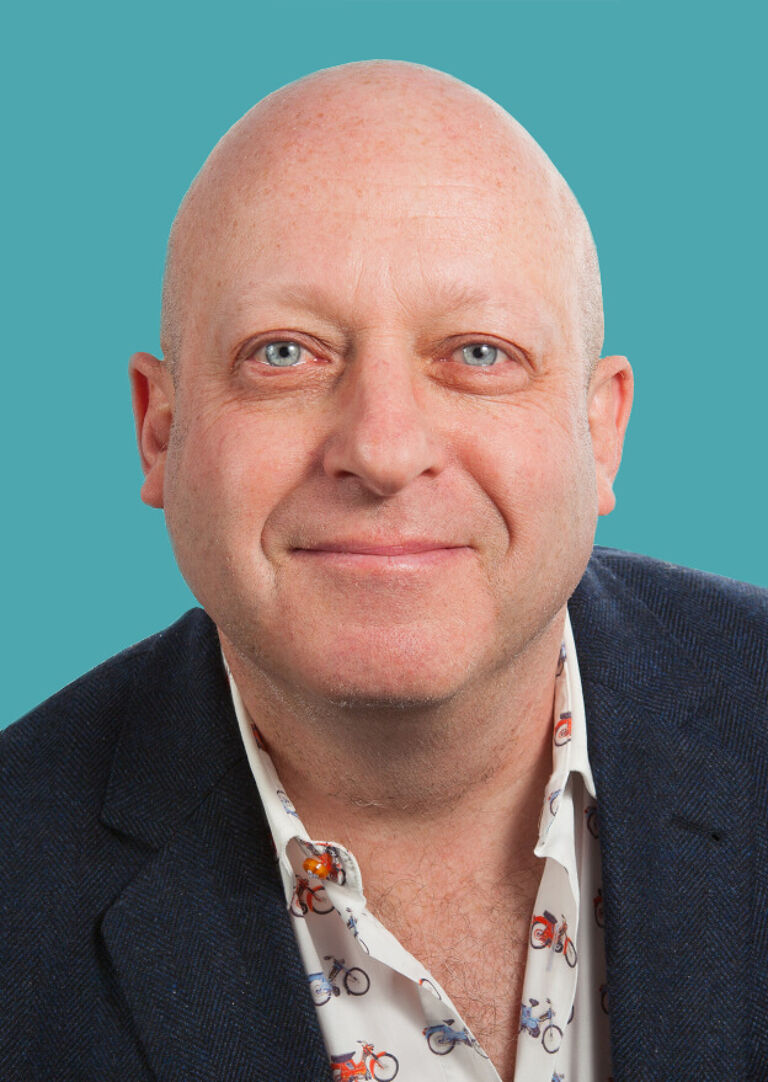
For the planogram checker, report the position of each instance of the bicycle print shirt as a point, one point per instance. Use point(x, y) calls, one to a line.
point(381, 1013)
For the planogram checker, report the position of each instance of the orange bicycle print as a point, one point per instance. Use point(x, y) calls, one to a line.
point(546, 932)
point(306, 898)
point(382, 1066)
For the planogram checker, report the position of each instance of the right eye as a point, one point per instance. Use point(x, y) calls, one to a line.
point(281, 354)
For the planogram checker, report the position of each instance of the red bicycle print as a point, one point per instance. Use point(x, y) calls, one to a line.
point(593, 823)
point(356, 981)
point(563, 729)
point(551, 1035)
point(546, 932)
point(382, 1066)
point(306, 898)
point(597, 903)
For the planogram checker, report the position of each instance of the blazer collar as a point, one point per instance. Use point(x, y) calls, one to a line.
point(179, 737)
point(199, 939)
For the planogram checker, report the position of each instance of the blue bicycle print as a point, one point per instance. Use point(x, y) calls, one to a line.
point(442, 1038)
point(351, 923)
point(530, 1023)
point(355, 980)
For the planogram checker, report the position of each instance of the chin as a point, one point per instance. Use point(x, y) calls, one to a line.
point(401, 686)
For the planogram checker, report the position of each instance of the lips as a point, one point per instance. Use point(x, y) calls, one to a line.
point(365, 548)
point(388, 557)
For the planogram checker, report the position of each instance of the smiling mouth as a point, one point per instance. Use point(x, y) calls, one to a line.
point(362, 548)
point(401, 555)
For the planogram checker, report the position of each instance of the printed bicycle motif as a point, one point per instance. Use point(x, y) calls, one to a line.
point(351, 923)
point(547, 932)
point(551, 1034)
point(442, 1038)
point(563, 729)
point(382, 1066)
point(356, 981)
point(287, 803)
point(306, 897)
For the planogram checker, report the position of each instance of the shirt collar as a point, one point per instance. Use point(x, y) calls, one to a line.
point(322, 861)
point(579, 756)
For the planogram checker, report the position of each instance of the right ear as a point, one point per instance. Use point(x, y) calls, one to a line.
point(152, 395)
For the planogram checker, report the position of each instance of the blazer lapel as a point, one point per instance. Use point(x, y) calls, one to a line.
point(675, 841)
point(200, 940)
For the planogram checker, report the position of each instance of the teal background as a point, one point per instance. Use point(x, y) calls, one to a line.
point(655, 113)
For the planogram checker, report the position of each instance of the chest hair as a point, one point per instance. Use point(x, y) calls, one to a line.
point(475, 943)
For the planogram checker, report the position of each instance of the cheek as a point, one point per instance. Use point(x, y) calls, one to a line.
point(538, 471)
point(226, 475)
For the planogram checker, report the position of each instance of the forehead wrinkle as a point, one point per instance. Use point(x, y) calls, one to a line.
point(353, 119)
point(316, 301)
point(447, 308)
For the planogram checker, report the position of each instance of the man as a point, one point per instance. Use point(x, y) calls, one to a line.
point(381, 434)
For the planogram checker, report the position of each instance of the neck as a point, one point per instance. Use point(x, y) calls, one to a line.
point(361, 773)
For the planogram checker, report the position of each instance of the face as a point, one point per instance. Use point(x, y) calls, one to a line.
point(385, 464)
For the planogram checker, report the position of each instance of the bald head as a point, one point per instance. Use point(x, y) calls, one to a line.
point(363, 127)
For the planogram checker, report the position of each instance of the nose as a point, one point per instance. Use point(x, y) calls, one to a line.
point(381, 434)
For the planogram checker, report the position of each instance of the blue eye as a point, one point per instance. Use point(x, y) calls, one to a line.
point(282, 354)
point(480, 354)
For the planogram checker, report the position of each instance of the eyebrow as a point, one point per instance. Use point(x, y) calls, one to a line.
point(447, 298)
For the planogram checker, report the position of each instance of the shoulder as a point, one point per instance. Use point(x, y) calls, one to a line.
point(48, 755)
point(676, 593)
point(633, 602)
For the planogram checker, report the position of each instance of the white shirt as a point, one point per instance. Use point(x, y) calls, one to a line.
point(380, 1011)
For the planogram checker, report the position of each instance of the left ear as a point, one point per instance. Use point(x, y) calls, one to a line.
point(609, 405)
point(153, 394)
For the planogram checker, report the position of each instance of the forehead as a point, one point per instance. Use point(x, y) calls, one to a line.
point(367, 229)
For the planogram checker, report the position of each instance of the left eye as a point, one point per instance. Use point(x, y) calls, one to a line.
point(479, 354)
point(282, 354)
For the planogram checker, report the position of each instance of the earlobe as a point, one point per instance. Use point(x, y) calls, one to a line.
point(610, 403)
point(152, 395)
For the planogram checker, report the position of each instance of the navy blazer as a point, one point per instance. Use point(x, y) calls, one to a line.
point(144, 929)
